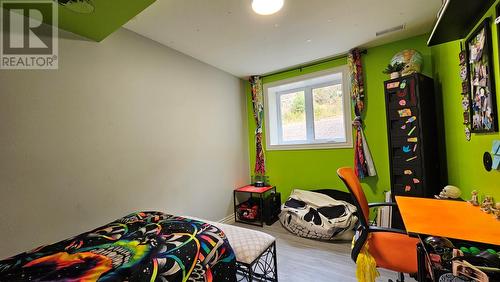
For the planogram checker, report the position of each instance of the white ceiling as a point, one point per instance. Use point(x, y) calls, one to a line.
point(229, 35)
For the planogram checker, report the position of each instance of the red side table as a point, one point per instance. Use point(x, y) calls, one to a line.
point(251, 192)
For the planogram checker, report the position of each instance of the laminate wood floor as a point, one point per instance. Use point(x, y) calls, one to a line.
point(306, 260)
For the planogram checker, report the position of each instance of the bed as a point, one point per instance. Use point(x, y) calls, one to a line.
point(255, 252)
point(143, 246)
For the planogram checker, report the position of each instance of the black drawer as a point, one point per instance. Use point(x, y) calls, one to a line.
point(413, 170)
point(411, 159)
point(403, 113)
point(406, 152)
point(405, 127)
point(401, 98)
point(410, 190)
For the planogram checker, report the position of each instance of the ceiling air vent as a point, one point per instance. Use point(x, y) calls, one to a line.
point(389, 30)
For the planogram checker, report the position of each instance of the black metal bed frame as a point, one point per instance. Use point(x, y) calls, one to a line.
point(263, 268)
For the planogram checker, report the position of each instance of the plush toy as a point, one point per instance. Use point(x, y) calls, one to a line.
point(449, 192)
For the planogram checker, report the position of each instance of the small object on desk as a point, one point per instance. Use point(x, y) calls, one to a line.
point(474, 198)
point(457, 253)
point(490, 256)
point(474, 250)
point(449, 192)
point(439, 242)
point(465, 250)
point(465, 269)
point(435, 258)
point(496, 211)
point(441, 247)
point(487, 204)
point(491, 251)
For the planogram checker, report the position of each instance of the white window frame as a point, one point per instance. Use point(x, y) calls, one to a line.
point(273, 125)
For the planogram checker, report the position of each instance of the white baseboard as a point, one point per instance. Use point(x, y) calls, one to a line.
point(228, 219)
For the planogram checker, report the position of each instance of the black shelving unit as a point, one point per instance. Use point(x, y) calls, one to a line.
point(456, 19)
point(415, 154)
point(262, 197)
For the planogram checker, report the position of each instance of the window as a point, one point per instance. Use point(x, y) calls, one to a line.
point(308, 112)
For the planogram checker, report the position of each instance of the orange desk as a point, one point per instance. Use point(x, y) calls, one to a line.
point(451, 219)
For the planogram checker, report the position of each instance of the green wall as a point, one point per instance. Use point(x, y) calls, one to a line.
point(465, 168)
point(315, 169)
point(107, 17)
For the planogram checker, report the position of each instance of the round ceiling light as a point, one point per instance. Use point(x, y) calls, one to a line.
point(267, 7)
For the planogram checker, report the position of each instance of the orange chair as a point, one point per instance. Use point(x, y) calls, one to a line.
point(392, 249)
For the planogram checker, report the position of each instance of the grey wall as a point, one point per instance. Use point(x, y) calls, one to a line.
point(123, 125)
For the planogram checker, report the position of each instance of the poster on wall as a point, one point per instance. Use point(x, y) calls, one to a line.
point(482, 85)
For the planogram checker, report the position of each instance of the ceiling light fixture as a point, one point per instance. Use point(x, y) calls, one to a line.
point(267, 7)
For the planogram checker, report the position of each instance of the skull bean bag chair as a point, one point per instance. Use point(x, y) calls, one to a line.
point(317, 216)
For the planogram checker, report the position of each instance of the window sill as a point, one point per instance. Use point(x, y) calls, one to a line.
point(346, 145)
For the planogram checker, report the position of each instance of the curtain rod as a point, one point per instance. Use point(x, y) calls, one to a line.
point(300, 67)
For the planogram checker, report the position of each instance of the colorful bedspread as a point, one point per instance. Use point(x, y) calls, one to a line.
point(144, 246)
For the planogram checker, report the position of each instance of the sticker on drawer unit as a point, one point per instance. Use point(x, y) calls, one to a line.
point(404, 112)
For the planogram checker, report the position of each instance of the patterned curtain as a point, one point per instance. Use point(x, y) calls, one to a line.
point(363, 162)
point(258, 114)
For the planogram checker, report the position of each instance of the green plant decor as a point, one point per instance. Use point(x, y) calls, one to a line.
point(396, 67)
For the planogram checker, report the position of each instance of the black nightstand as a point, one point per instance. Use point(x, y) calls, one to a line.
point(256, 205)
